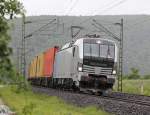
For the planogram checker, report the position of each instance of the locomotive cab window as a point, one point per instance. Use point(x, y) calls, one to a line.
point(107, 51)
point(95, 50)
point(86, 49)
point(99, 50)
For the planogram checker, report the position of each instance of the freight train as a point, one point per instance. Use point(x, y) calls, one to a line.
point(86, 64)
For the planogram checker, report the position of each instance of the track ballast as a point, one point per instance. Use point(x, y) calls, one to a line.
point(117, 103)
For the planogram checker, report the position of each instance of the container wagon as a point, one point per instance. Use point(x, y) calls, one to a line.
point(41, 68)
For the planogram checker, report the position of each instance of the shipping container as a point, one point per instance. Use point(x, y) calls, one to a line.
point(49, 58)
point(40, 64)
point(30, 70)
point(34, 67)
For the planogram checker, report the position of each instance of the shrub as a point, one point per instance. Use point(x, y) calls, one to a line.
point(134, 74)
point(146, 77)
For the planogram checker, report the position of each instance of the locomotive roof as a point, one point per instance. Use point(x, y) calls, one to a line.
point(78, 41)
point(103, 39)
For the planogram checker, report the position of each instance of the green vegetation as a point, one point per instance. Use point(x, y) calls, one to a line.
point(134, 74)
point(138, 86)
point(135, 83)
point(8, 10)
point(28, 103)
point(146, 77)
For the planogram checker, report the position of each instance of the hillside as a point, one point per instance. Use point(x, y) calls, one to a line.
point(136, 36)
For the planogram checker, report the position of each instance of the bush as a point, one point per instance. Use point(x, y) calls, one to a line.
point(146, 77)
point(14, 79)
point(134, 74)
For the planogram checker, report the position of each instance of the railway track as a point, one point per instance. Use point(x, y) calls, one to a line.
point(118, 96)
point(133, 101)
point(126, 97)
point(117, 103)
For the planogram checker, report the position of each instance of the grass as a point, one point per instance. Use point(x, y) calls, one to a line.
point(135, 86)
point(29, 103)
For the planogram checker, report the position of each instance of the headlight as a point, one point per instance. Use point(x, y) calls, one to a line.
point(80, 67)
point(114, 72)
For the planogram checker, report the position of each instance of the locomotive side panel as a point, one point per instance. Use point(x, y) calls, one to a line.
point(63, 64)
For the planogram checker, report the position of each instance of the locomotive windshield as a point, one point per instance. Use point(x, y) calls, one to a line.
point(98, 53)
point(99, 50)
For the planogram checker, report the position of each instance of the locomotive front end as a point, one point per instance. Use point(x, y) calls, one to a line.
point(97, 68)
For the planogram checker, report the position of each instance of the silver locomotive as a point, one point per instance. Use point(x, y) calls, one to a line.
point(86, 64)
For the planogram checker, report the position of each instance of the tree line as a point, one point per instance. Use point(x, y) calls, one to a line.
point(9, 9)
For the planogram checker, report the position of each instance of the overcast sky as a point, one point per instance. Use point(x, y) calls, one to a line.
point(86, 7)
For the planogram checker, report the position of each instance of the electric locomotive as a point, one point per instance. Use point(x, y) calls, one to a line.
point(86, 64)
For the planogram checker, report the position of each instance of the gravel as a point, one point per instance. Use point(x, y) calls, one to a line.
point(109, 105)
point(131, 96)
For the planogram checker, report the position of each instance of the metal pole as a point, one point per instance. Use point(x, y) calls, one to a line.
point(23, 56)
point(121, 52)
point(120, 58)
point(18, 60)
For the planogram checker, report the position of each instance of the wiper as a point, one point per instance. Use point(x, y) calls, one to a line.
point(108, 52)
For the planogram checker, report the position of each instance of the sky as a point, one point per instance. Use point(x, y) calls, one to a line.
point(86, 7)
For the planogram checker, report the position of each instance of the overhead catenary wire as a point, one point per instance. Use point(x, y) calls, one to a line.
point(66, 6)
point(108, 4)
point(40, 20)
point(110, 7)
point(114, 5)
point(72, 7)
point(106, 30)
point(40, 28)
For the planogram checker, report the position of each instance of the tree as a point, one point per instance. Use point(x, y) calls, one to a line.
point(8, 10)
